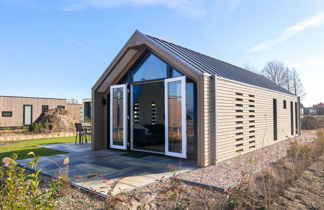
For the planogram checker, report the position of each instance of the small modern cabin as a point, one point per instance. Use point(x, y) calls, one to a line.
point(19, 111)
point(163, 98)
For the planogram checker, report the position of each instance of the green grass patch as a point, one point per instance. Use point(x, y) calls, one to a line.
point(23, 147)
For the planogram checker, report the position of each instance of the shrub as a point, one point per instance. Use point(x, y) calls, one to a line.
point(36, 127)
point(18, 190)
point(298, 151)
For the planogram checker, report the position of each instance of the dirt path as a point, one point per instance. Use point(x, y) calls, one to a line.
point(307, 191)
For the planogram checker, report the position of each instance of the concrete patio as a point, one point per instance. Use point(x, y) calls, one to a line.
point(98, 170)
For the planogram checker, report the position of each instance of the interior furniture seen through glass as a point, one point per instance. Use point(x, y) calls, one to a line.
point(148, 116)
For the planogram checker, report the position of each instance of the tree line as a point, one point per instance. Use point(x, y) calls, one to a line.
point(282, 75)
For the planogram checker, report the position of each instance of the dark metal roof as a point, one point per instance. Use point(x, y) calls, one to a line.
point(33, 97)
point(211, 65)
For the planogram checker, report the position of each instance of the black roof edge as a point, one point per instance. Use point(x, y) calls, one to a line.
point(33, 97)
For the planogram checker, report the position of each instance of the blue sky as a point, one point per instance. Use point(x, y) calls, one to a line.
point(59, 48)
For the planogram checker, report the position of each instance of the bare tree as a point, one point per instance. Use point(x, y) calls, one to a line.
point(297, 86)
point(250, 67)
point(285, 77)
point(276, 72)
point(73, 101)
point(288, 80)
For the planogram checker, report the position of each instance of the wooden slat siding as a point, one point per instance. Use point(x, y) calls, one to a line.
point(75, 111)
point(215, 128)
point(200, 123)
point(208, 139)
point(15, 104)
point(106, 118)
point(226, 120)
point(98, 122)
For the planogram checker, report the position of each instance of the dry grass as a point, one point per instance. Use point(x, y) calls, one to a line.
point(262, 190)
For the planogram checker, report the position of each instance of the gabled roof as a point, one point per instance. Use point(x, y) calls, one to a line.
point(207, 64)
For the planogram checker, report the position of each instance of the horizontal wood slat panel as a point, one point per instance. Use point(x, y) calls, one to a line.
point(232, 96)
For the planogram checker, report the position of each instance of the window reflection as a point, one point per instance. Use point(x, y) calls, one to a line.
point(152, 68)
point(174, 117)
point(176, 73)
point(118, 126)
point(191, 119)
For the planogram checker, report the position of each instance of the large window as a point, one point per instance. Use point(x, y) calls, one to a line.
point(150, 68)
point(275, 133)
point(147, 90)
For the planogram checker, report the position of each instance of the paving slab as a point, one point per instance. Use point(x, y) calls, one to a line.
point(98, 170)
point(138, 181)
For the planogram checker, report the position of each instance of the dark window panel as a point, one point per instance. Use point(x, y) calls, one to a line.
point(6, 114)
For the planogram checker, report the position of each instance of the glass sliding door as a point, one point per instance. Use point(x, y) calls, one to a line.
point(118, 116)
point(175, 117)
point(28, 112)
point(147, 117)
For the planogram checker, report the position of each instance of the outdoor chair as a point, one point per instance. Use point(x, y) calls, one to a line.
point(79, 132)
point(87, 131)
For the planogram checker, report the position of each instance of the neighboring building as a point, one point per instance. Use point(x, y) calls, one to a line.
point(75, 111)
point(162, 98)
point(317, 109)
point(18, 111)
point(86, 110)
point(320, 105)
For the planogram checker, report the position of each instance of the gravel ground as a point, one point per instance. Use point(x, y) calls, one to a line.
point(228, 173)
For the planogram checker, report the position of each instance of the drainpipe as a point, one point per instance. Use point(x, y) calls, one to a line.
point(299, 117)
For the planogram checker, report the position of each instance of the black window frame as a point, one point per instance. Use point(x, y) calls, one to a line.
point(47, 108)
point(60, 107)
point(31, 113)
point(284, 104)
point(3, 113)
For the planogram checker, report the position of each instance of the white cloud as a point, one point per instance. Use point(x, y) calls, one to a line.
point(189, 8)
point(291, 31)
